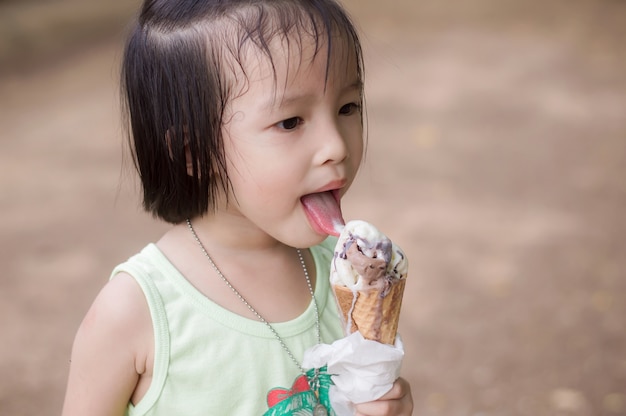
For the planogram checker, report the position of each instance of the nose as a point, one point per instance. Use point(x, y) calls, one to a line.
point(332, 144)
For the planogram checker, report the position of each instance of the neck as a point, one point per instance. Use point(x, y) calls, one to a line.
point(267, 274)
point(230, 232)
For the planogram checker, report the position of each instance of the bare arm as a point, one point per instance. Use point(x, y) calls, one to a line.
point(109, 352)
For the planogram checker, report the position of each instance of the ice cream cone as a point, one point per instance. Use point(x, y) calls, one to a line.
point(374, 312)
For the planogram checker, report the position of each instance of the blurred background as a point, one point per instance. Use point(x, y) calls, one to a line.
point(497, 153)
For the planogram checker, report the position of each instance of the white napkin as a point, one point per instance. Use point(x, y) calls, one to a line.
point(362, 370)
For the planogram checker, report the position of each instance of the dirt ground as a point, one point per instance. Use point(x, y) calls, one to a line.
point(497, 149)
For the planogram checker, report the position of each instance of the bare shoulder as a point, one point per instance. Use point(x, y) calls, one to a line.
point(119, 307)
point(109, 350)
point(118, 323)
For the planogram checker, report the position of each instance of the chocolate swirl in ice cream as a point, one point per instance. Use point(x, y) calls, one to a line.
point(371, 269)
point(366, 258)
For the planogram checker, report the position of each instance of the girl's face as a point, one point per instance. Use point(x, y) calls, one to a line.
point(289, 133)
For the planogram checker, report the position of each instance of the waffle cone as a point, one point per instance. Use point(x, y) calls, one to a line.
point(375, 316)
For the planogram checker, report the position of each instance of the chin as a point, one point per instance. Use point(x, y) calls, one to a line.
point(306, 240)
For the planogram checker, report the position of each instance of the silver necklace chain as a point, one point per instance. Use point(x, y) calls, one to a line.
point(259, 317)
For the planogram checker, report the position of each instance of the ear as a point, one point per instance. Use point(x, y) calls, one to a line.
point(169, 138)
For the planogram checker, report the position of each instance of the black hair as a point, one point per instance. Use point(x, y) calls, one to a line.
point(177, 79)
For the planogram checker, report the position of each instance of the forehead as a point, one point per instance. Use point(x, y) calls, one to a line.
point(288, 59)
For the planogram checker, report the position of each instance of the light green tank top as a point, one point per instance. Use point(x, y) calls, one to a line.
point(210, 361)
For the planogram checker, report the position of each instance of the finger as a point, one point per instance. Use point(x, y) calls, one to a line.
point(377, 408)
point(397, 401)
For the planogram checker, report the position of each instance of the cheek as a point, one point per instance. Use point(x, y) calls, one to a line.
point(258, 176)
point(356, 147)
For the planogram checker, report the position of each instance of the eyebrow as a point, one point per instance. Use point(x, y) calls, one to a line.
point(286, 100)
point(356, 85)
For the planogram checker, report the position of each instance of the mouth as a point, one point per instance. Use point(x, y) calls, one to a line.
point(335, 187)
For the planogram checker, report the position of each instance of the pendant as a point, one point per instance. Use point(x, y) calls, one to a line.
point(320, 410)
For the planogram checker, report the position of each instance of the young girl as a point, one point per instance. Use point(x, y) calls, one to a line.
point(246, 126)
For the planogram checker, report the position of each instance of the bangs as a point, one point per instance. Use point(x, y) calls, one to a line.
point(295, 25)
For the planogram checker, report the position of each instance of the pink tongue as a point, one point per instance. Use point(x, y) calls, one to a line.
point(324, 212)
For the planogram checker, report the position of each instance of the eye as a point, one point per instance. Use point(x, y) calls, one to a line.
point(289, 124)
point(349, 109)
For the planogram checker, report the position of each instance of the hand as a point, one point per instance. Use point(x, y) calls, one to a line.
point(396, 402)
